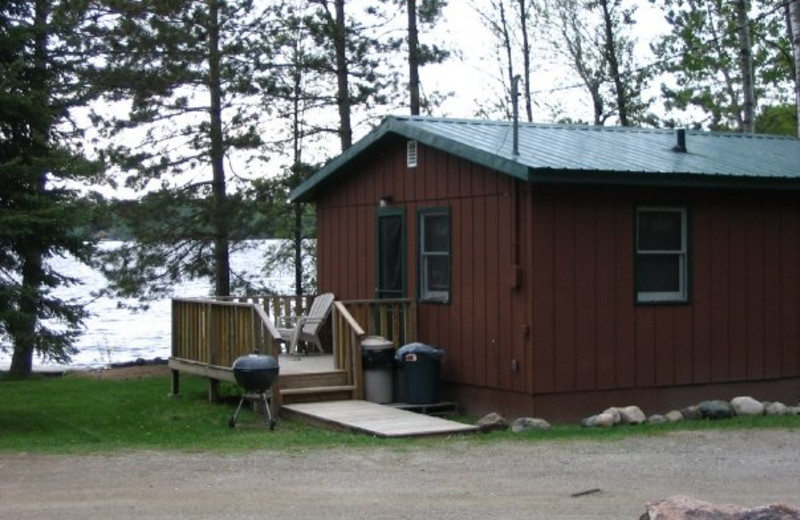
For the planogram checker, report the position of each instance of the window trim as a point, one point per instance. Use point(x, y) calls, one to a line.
point(684, 278)
point(425, 295)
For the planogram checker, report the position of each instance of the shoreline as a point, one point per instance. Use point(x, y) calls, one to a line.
point(56, 370)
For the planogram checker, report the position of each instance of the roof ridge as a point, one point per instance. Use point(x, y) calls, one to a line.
point(587, 127)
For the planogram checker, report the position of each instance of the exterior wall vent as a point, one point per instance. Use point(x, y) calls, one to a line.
point(411, 154)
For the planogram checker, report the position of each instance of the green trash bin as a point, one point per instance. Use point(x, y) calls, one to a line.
point(420, 367)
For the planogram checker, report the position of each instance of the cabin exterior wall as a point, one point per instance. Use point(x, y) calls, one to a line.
point(542, 317)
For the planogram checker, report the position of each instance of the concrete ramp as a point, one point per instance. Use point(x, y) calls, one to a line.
point(373, 419)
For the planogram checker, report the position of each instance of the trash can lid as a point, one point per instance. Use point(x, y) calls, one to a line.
point(376, 343)
point(419, 348)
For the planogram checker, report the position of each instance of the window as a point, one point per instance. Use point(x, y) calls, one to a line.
point(661, 255)
point(411, 154)
point(434, 254)
point(391, 253)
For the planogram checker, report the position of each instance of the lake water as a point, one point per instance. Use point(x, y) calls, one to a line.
point(114, 334)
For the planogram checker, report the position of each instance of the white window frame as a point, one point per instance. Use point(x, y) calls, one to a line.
point(682, 294)
point(412, 154)
point(425, 293)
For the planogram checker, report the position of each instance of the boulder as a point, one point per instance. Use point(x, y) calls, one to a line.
point(744, 405)
point(615, 413)
point(716, 409)
point(523, 424)
point(492, 422)
point(589, 421)
point(656, 419)
point(776, 409)
point(793, 410)
point(692, 413)
point(684, 508)
point(604, 420)
point(674, 416)
point(631, 415)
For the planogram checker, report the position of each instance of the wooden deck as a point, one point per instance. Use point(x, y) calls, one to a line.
point(289, 366)
point(209, 334)
point(373, 419)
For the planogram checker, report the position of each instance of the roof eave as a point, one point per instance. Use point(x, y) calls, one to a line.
point(308, 189)
point(660, 179)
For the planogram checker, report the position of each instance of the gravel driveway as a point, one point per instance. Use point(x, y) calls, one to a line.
point(460, 480)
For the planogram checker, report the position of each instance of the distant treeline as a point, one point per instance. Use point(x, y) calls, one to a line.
point(120, 219)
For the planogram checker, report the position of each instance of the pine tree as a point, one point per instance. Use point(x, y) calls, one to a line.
point(188, 73)
point(707, 57)
point(422, 16)
point(793, 19)
point(43, 63)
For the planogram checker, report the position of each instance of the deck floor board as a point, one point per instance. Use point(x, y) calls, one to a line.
point(376, 419)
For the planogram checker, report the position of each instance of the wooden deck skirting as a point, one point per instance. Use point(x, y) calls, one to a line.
point(208, 334)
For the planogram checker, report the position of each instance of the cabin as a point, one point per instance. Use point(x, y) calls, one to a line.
point(564, 269)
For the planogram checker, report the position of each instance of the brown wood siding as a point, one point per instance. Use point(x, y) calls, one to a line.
point(572, 324)
point(739, 325)
point(483, 329)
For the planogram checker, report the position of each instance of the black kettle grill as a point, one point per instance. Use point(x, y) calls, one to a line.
point(256, 373)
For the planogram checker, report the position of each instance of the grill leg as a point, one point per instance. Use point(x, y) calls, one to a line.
point(267, 402)
point(232, 420)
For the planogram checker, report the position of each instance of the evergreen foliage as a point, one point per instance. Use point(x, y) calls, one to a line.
point(701, 57)
point(42, 79)
point(187, 74)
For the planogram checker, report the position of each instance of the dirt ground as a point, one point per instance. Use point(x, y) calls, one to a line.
point(459, 481)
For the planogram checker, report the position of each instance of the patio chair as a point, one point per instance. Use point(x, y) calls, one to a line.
point(307, 327)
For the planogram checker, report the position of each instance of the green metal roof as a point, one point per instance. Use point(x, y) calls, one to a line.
point(591, 154)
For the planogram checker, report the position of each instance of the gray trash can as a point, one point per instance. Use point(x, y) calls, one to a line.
point(376, 359)
point(420, 366)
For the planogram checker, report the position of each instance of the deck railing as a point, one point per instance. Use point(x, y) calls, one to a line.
point(278, 308)
point(393, 319)
point(347, 337)
point(215, 332)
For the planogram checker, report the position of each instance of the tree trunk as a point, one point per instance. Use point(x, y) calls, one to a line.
point(297, 173)
point(794, 21)
point(507, 47)
point(746, 65)
point(23, 331)
point(526, 59)
point(413, 57)
point(298, 248)
point(342, 76)
point(613, 65)
point(220, 219)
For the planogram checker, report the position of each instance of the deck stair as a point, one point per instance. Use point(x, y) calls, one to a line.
point(315, 387)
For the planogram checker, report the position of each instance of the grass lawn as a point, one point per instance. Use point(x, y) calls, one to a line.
point(80, 414)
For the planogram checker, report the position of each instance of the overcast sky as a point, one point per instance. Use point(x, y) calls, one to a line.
point(473, 77)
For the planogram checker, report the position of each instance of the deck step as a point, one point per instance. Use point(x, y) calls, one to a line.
point(317, 393)
point(321, 379)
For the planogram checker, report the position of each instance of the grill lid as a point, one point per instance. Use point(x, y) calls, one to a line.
point(255, 362)
point(255, 373)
